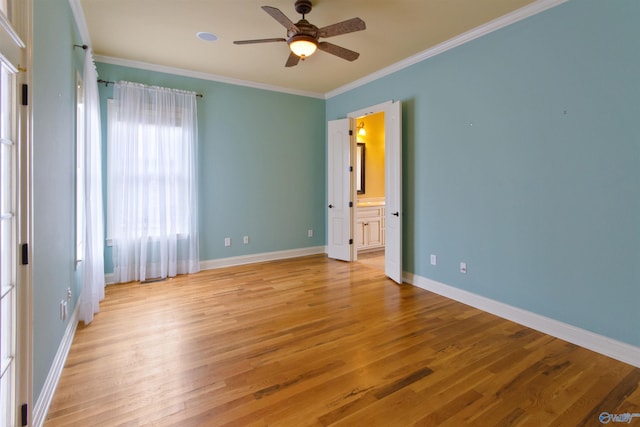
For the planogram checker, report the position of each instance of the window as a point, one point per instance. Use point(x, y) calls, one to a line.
point(161, 180)
point(151, 182)
point(80, 178)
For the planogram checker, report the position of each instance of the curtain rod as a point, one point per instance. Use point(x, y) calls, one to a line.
point(107, 83)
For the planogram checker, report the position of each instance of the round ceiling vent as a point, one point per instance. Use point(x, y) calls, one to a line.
point(208, 37)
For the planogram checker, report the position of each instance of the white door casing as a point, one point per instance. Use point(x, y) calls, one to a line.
point(393, 183)
point(339, 183)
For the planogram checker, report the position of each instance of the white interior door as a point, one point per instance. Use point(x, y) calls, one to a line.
point(340, 239)
point(393, 191)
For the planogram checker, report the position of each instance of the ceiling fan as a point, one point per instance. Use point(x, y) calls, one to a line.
point(302, 37)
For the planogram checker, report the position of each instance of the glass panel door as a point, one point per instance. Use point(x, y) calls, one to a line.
point(8, 248)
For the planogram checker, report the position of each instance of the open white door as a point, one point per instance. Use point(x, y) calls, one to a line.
point(339, 190)
point(393, 191)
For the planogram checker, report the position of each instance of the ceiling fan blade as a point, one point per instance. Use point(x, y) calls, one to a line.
point(339, 51)
point(292, 60)
point(259, 41)
point(280, 17)
point(344, 27)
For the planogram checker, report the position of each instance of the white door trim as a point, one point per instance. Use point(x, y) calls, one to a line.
point(387, 107)
point(378, 108)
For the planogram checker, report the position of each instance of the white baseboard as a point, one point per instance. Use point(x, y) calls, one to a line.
point(609, 347)
point(109, 279)
point(41, 406)
point(266, 256)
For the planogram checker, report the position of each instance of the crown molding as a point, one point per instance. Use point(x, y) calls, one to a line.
point(203, 76)
point(78, 15)
point(81, 22)
point(497, 24)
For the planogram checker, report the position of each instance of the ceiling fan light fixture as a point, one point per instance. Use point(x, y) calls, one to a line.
point(302, 45)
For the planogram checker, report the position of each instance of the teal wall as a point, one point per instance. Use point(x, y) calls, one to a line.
point(55, 62)
point(261, 170)
point(261, 160)
point(522, 158)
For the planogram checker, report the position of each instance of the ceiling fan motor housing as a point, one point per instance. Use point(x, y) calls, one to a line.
point(303, 6)
point(305, 27)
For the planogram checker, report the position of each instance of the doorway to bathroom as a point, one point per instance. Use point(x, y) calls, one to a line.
point(342, 216)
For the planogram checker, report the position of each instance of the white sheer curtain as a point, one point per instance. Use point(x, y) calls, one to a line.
point(93, 259)
point(152, 190)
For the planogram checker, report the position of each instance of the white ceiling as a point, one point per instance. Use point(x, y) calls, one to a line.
point(163, 32)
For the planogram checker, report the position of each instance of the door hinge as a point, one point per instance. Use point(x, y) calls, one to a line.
point(350, 168)
point(25, 94)
point(24, 255)
point(351, 241)
point(24, 415)
point(350, 204)
point(350, 132)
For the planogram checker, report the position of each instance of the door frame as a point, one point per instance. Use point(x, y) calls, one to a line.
point(24, 392)
point(17, 40)
point(384, 107)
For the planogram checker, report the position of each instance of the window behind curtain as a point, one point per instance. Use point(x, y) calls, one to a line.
point(145, 172)
point(152, 203)
point(80, 179)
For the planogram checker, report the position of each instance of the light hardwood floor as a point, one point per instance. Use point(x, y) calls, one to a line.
point(316, 342)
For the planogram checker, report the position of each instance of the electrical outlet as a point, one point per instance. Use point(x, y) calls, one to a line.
point(245, 240)
point(69, 294)
point(227, 241)
point(309, 233)
point(434, 259)
point(463, 267)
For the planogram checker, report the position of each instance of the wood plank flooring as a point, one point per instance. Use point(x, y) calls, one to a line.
point(317, 342)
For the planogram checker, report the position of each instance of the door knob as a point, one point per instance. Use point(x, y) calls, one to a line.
point(396, 214)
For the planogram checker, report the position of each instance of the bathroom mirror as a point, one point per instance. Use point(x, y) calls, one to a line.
point(360, 168)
